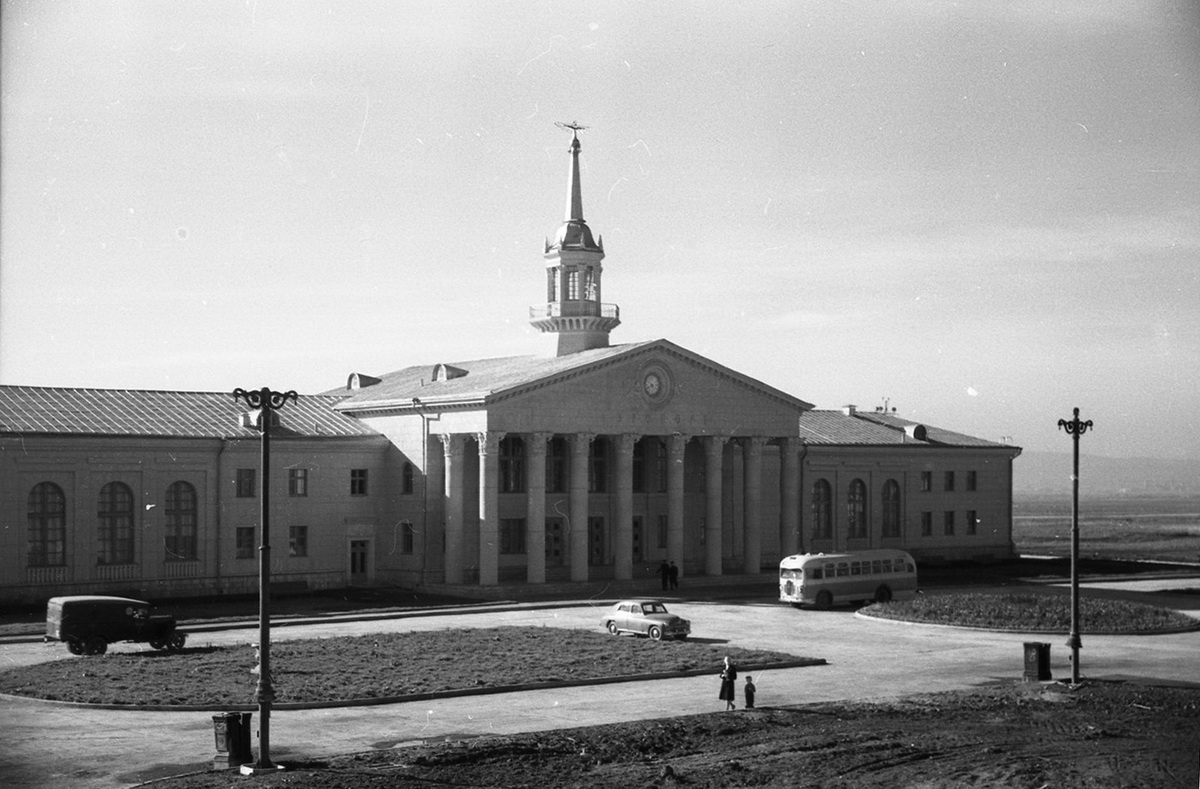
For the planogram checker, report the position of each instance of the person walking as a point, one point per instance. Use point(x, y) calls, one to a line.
point(674, 575)
point(748, 691)
point(664, 572)
point(728, 688)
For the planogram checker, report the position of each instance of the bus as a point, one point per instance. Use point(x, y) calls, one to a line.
point(822, 579)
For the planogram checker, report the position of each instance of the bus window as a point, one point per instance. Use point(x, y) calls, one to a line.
point(886, 566)
point(843, 570)
point(815, 573)
point(855, 568)
point(876, 567)
point(830, 571)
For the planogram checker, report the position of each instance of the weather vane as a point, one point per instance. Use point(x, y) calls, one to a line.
point(573, 126)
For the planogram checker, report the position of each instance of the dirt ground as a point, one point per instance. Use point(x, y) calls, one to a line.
point(1100, 734)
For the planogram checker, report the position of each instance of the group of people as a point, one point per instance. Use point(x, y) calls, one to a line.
point(669, 574)
point(728, 692)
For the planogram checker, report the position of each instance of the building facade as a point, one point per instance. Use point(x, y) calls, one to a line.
point(594, 461)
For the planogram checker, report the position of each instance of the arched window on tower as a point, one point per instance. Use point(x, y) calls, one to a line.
point(856, 510)
point(822, 509)
point(891, 508)
point(47, 526)
point(115, 515)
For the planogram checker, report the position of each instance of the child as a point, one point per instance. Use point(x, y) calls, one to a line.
point(749, 692)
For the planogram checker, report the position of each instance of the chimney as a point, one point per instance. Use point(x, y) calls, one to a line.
point(850, 410)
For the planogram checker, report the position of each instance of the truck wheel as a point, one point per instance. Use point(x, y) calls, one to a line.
point(74, 647)
point(176, 641)
point(95, 646)
point(824, 600)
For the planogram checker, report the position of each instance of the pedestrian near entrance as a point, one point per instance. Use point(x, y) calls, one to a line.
point(664, 572)
point(728, 688)
point(748, 692)
point(674, 575)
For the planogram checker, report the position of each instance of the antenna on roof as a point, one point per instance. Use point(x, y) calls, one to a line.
point(884, 409)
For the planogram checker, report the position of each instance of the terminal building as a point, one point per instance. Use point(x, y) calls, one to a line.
point(595, 461)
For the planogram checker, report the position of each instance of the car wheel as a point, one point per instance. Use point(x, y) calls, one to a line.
point(825, 600)
point(176, 641)
point(655, 633)
point(612, 628)
point(95, 646)
point(74, 647)
point(883, 595)
point(682, 637)
point(158, 644)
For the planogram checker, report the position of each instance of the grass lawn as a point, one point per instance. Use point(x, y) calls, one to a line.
point(370, 667)
point(1033, 613)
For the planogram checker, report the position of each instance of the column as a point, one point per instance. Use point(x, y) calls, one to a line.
point(676, 444)
point(535, 508)
point(789, 497)
point(752, 503)
point(577, 526)
point(623, 541)
point(489, 507)
point(714, 454)
point(452, 448)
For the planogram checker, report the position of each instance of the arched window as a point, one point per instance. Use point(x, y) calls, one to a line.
point(115, 514)
point(891, 508)
point(180, 522)
point(856, 506)
point(512, 464)
point(822, 508)
point(47, 526)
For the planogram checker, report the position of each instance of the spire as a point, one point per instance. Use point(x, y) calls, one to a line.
point(574, 314)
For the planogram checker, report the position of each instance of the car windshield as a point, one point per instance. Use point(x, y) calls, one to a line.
point(654, 608)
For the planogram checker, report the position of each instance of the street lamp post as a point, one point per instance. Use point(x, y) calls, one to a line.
point(266, 401)
point(1075, 429)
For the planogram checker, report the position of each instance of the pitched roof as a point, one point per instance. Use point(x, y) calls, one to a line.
point(128, 412)
point(482, 381)
point(839, 428)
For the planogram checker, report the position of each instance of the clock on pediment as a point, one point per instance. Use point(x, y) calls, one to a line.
point(654, 383)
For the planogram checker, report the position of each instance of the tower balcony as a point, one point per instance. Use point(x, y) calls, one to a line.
point(576, 309)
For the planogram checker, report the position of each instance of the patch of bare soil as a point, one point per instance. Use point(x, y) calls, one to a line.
point(1014, 735)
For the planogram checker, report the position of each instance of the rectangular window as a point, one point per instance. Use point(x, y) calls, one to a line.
point(297, 541)
point(556, 465)
point(972, 521)
point(949, 480)
point(358, 482)
point(512, 465)
point(297, 482)
point(573, 286)
point(639, 466)
point(662, 531)
point(926, 481)
point(926, 524)
point(948, 523)
point(244, 539)
point(660, 465)
point(972, 480)
point(598, 466)
point(407, 536)
point(512, 535)
point(245, 483)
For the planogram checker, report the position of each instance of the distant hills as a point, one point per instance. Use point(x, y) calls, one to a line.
point(1050, 472)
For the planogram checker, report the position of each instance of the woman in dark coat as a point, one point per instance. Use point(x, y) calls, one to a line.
point(728, 689)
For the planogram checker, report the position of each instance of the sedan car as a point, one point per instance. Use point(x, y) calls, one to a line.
point(645, 617)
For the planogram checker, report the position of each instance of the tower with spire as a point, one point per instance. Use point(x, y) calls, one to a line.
point(574, 314)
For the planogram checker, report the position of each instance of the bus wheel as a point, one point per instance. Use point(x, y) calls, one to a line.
point(824, 600)
point(883, 595)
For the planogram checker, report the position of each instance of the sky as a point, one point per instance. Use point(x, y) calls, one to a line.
point(980, 214)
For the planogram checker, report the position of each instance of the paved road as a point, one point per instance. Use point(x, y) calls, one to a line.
point(53, 745)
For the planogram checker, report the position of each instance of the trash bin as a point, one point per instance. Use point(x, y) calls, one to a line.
point(1037, 661)
point(232, 733)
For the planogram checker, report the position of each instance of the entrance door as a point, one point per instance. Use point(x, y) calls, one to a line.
point(637, 539)
point(359, 551)
point(554, 542)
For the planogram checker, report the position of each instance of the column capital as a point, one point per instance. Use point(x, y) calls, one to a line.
point(715, 444)
point(677, 442)
point(539, 439)
point(489, 441)
point(754, 443)
point(625, 441)
point(452, 443)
